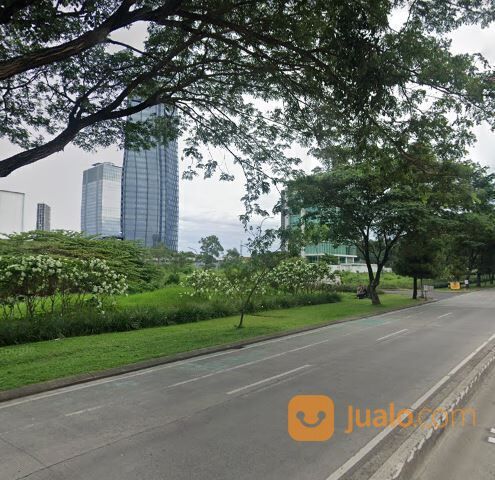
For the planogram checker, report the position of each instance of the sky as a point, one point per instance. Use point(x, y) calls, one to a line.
point(206, 207)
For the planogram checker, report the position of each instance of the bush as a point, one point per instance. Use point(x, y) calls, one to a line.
point(173, 279)
point(123, 257)
point(33, 285)
point(86, 321)
point(298, 275)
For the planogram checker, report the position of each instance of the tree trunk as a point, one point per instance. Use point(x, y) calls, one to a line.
point(415, 288)
point(478, 279)
point(241, 319)
point(375, 299)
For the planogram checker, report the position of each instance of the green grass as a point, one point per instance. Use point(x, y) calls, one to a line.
point(164, 297)
point(388, 280)
point(37, 362)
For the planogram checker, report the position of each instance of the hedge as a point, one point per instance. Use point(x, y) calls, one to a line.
point(90, 322)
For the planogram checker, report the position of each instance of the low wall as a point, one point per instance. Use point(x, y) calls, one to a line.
point(356, 268)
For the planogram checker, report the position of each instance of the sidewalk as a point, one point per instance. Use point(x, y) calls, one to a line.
point(465, 452)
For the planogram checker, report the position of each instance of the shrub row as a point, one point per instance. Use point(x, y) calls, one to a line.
point(89, 322)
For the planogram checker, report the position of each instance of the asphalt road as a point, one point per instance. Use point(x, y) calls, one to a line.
point(224, 416)
point(467, 452)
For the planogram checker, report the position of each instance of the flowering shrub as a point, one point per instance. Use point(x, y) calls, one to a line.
point(207, 284)
point(294, 276)
point(210, 283)
point(41, 283)
point(289, 276)
point(244, 281)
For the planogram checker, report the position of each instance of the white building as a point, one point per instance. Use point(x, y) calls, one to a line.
point(11, 212)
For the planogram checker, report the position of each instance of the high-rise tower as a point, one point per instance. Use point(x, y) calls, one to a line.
point(150, 190)
point(100, 207)
point(43, 217)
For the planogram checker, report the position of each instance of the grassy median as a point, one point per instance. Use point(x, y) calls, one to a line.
point(37, 362)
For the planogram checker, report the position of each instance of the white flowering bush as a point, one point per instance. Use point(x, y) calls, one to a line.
point(207, 283)
point(298, 275)
point(245, 280)
point(229, 284)
point(99, 280)
point(40, 283)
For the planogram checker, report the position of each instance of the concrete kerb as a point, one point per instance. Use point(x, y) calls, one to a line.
point(402, 464)
point(36, 388)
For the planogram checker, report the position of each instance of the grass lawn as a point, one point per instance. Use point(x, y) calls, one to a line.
point(41, 361)
point(164, 297)
point(171, 295)
point(389, 280)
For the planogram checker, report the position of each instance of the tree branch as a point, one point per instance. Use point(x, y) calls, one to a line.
point(122, 17)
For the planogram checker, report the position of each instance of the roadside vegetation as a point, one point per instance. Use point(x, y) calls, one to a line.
point(79, 285)
point(41, 361)
point(71, 292)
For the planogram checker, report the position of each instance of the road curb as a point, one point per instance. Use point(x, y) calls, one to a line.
point(402, 464)
point(36, 388)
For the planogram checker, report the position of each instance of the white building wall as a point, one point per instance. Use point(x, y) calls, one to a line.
point(11, 212)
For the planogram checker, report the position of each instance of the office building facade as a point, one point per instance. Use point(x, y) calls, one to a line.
point(43, 217)
point(11, 212)
point(345, 253)
point(150, 190)
point(100, 207)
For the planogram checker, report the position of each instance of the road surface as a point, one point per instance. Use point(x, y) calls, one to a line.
point(224, 415)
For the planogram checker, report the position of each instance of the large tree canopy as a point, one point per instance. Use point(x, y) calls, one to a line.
point(69, 70)
point(375, 203)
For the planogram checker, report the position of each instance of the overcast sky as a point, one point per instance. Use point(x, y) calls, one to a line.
point(206, 206)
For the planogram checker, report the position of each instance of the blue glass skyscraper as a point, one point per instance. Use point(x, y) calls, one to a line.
point(150, 191)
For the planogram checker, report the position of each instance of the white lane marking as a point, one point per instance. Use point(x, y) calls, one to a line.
point(447, 377)
point(393, 334)
point(242, 365)
point(445, 315)
point(85, 410)
point(265, 380)
point(343, 469)
point(491, 440)
point(492, 430)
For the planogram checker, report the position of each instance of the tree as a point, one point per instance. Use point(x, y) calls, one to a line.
point(176, 262)
point(417, 256)
point(471, 232)
point(487, 262)
point(210, 250)
point(471, 235)
point(64, 77)
point(374, 203)
point(232, 256)
point(241, 280)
